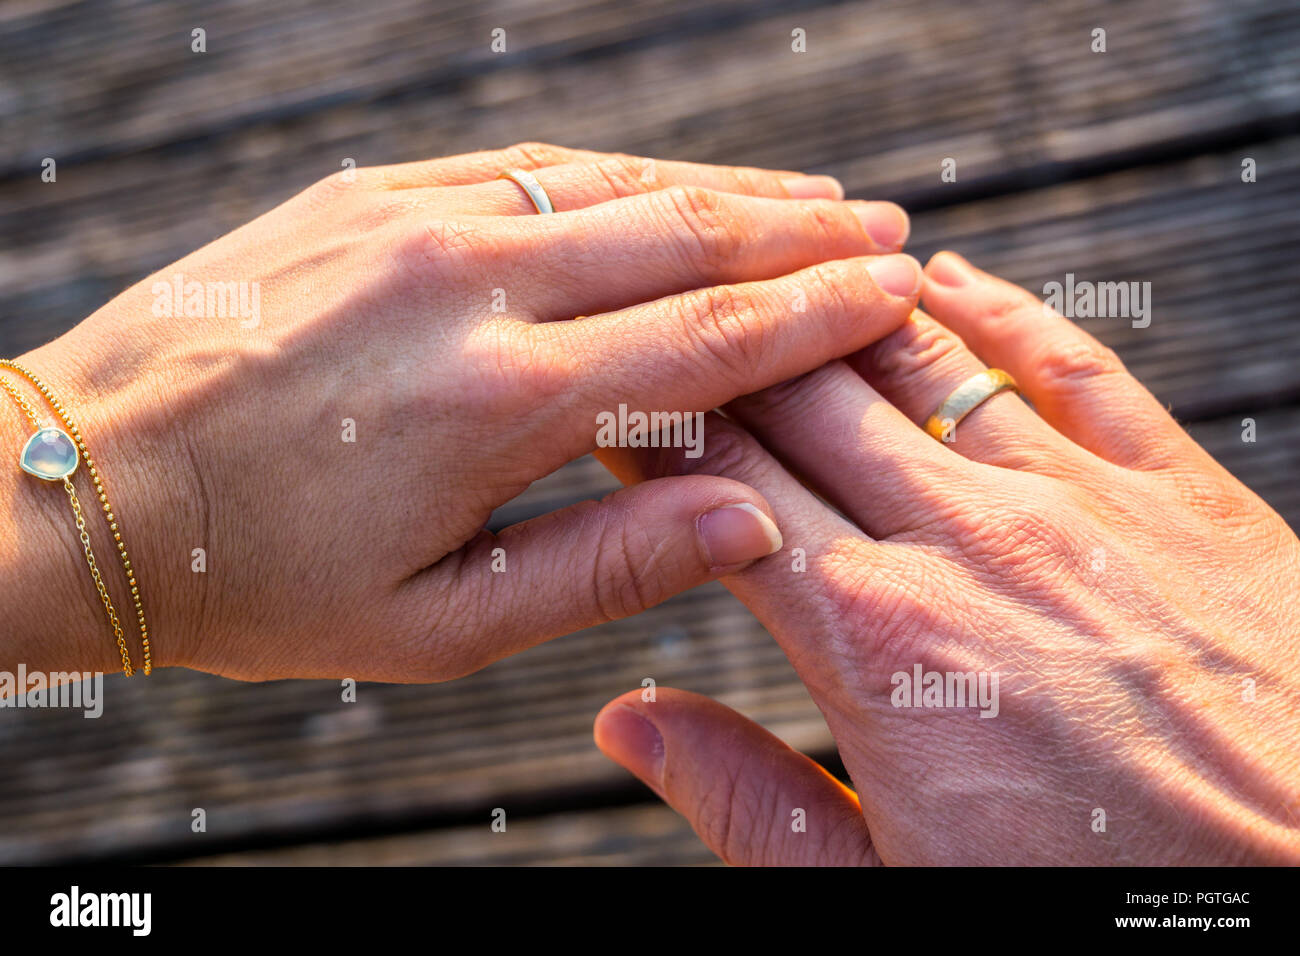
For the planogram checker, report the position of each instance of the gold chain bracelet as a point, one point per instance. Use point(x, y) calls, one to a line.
point(53, 455)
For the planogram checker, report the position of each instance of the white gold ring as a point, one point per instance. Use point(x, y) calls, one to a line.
point(529, 184)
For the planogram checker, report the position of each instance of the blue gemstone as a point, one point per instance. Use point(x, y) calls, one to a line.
point(50, 454)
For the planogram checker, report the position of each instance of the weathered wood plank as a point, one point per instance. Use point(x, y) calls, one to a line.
point(644, 835)
point(838, 107)
point(291, 758)
point(161, 151)
point(1218, 252)
point(1002, 85)
point(1215, 250)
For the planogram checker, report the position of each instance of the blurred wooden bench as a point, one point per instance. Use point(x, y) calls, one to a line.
point(1116, 166)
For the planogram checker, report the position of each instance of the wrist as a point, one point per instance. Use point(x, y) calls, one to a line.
point(52, 617)
point(105, 389)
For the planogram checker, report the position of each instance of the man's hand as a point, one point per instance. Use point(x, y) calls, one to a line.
point(1058, 639)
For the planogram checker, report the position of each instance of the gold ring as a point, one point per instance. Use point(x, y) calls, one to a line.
point(529, 184)
point(967, 397)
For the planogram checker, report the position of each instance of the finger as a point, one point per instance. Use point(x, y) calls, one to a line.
point(630, 251)
point(699, 350)
point(753, 800)
point(583, 565)
point(486, 165)
point(1078, 385)
point(917, 367)
point(800, 615)
point(578, 185)
point(480, 167)
point(855, 448)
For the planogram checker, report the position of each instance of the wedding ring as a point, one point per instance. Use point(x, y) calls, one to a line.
point(967, 397)
point(529, 184)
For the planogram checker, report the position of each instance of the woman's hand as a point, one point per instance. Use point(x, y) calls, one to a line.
point(303, 474)
point(1134, 601)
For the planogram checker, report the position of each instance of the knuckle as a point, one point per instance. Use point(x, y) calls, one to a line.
point(1210, 495)
point(449, 251)
point(1142, 665)
point(724, 328)
point(915, 352)
point(826, 223)
point(743, 813)
point(337, 191)
point(446, 240)
point(336, 184)
point(715, 820)
point(1003, 307)
point(421, 659)
point(898, 602)
point(1007, 313)
point(790, 401)
point(1021, 534)
point(430, 647)
point(537, 371)
point(383, 208)
point(517, 374)
point(728, 813)
point(624, 175)
point(533, 155)
point(622, 583)
point(726, 453)
point(1076, 365)
point(755, 182)
point(836, 290)
point(708, 234)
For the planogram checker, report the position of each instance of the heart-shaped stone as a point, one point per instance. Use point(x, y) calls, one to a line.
point(50, 454)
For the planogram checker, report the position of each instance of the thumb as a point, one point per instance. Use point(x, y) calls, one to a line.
point(593, 562)
point(752, 799)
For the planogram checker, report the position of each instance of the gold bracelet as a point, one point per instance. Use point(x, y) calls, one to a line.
point(53, 455)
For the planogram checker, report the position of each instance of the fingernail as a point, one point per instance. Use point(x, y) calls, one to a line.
point(813, 187)
point(634, 742)
point(897, 275)
point(948, 268)
point(734, 534)
point(886, 224)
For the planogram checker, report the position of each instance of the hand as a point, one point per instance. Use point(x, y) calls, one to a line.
point(1134, 600)
point(411, 307)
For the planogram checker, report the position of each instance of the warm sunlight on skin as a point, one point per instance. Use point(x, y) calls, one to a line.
point(387, 369)
point(1059, 634)
point(1103, 594)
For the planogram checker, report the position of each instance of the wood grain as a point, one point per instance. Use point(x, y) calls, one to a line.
point(647, 835)
point(1115, 166)
point(272, 762)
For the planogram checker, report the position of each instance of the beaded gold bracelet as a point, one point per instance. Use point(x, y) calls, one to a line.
point(52, 454)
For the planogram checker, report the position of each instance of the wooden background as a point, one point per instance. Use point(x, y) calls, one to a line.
point(1116, 166)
